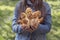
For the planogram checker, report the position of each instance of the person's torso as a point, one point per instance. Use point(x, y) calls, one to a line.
point(36, 35)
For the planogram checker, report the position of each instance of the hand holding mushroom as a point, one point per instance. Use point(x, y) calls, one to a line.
point(30, 19)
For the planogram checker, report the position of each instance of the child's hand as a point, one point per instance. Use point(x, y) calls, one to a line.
point(34, 24)
point(24, 26)
point(29, 30)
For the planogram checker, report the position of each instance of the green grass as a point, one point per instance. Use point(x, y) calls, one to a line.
point(55, 34)
point(6, 13)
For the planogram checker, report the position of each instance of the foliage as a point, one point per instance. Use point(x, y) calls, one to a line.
point(6, 14)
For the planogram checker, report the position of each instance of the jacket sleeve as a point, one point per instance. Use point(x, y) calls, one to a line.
point(45, 28)
point(16, 27)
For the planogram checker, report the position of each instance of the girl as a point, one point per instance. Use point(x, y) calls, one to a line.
point(39, 32)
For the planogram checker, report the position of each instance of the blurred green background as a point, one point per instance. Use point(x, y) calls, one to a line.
point(6, 14)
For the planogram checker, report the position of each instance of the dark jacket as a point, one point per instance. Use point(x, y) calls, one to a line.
point(40, 33)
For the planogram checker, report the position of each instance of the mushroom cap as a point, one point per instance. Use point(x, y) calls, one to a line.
point(29, 13)
point(22, 15)
point(28, 10)
point(36, 14)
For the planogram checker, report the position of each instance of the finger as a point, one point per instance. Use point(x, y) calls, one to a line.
point(35, 26)
point(26, 28)
point(29, 30)
point(41, 19)
point(32, 27)
point(23, 26)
